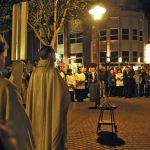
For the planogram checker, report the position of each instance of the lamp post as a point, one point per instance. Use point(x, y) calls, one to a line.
point(97, 13)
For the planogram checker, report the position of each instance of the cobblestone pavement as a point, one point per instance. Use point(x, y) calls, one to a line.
point(133, 121)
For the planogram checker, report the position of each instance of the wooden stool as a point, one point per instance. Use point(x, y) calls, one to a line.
point(110, 122)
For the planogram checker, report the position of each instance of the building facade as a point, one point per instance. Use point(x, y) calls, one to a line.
point(123, 34)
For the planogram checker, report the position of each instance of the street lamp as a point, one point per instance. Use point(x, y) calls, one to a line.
point(97, 13)
point(147, 56)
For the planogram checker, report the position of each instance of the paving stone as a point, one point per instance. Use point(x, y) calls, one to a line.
point(132, 118)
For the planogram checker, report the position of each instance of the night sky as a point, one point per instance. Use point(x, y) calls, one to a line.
point(146, 5)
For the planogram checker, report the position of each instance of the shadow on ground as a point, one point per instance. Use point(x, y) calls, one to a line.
point(93, 107)
point(109, 139)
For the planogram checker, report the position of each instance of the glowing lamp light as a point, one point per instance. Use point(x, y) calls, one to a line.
point(147, 58)
point(97, 12)
point(108, 59)
point(139, 59)
point(120, 59)
point(72, 57)
point(58, 57)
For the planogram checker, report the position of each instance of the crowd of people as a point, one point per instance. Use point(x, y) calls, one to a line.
point(36, 110)
point(37, 119)
point(98, 82)
point(111, 81)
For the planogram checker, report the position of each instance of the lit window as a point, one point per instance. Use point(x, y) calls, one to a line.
point(125, 34)
point(135, 34)
point(125, 56)
point(60, 39)
point(103, 35)
point(113, 34)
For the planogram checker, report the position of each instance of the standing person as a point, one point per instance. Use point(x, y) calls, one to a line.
point(102, 79)
point(80, 85)
point(11, 109)
point(112, 84)
point(24, 87)
point(142, 84)
point(137, 81)
point(47, 103)
point(94, 86)
point(62, 72)
point(71, 82)
point(119, 83)
point(127, 77)
point(29, 66)
point(86, 73)
point(147, 84)
point(132, 81)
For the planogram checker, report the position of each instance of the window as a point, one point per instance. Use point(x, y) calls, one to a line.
point(76, 37)
point(72, 38)
point(135, 34)
point(113, 34)
point(114, 57)
point(135, 56)
point(102, 56)
point(141, 35)
point(60, 39)
point(79, 60)
point(125, 56)
point(103, 35)
point(125, 34)
point(79, 55)
point(79, 37)
point(141, 56)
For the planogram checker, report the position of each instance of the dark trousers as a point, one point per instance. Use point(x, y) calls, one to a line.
point(119, 91)
point(137, 90)
point(112, 91)
point(72, 96)
point(86, 91)
point(147, 91)
point(127, 90)
point(79, 94)
point(141, 89)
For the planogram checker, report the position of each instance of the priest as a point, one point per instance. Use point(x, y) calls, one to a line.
point(47, 103)
point(12, 111)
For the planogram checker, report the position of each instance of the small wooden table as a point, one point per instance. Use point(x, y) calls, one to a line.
point(110, 122)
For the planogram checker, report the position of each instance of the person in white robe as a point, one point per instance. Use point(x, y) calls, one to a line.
point(71, 82)
point(12, 111)
point(47, 103)
point(80, 85)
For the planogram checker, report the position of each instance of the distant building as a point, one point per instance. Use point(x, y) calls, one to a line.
point(123, 33)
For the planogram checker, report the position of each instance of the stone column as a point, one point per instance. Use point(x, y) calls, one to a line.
point(19, 31)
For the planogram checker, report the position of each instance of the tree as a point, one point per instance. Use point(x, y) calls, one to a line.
point(46, 17)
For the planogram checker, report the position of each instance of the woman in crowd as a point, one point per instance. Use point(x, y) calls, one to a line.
point(112, 84)
point(71, 82)
point(137, 82)
point(94, 86)
point(80, 85)
point(147, 84)
point(119, 83)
